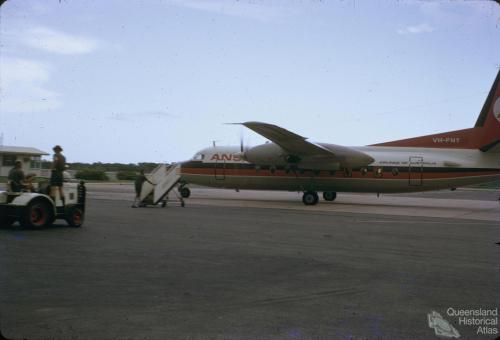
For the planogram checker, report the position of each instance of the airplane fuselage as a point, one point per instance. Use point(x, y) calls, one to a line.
point(292, 162)
point(394, 169)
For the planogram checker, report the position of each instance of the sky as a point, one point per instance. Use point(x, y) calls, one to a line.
point(155, 81)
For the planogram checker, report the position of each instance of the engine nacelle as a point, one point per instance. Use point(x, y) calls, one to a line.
point(273, 155)
point(266, 154)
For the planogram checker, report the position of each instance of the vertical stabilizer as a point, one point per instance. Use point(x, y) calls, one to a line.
point(489, 118)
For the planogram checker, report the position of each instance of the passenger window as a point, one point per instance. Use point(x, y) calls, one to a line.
point(379, 172)
point(395, 171)
point(364, 171)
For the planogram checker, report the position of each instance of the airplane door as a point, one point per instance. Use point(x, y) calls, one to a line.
point(220, 170)
point(415, 170)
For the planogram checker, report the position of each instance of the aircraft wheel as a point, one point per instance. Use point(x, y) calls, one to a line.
point(310, 198)
point(185, 192)
point(329, 195)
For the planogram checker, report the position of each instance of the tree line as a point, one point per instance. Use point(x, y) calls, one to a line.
point(97, 170)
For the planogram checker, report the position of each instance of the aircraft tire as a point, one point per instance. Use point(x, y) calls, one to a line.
point(329, 195)
point(185, 192)
point(310, 198)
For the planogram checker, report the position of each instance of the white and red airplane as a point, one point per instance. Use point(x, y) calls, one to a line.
point(291, 162)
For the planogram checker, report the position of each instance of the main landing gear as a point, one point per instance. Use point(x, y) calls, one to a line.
point(329, 195)
point(312, 198)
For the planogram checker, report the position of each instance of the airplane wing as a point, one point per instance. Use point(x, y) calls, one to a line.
point(287, 140)
point(300, 146)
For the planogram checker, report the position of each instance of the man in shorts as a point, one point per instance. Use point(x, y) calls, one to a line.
point(139, 181)
point(56, 174)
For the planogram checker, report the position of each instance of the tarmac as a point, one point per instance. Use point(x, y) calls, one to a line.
point(255, 265)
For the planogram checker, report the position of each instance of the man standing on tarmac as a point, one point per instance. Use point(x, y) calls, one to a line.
point(16, 177)
point(139, 181)
point(56, 175)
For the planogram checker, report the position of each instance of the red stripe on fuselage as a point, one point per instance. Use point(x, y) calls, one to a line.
point(338, 174)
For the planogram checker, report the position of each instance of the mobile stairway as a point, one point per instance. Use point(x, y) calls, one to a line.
point(165, 179)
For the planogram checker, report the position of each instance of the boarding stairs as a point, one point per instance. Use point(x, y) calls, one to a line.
point(164, 179)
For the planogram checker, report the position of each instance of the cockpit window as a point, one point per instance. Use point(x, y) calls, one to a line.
point(198, 157)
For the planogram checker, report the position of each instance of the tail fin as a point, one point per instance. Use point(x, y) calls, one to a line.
point(489, 119)
point(485, 135)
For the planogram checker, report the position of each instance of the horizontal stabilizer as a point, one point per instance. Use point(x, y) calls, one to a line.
point(493, 147)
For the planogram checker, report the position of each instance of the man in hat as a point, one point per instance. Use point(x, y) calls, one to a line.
point(139, 181)
point(56, 175)
point(16, 177)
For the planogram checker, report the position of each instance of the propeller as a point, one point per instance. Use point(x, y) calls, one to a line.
point(242, 146)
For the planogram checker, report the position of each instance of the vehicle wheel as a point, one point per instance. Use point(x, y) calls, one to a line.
point(38, 214)
point(310, 198)
point(75, 217)
point(185, 192)
point(329, 195)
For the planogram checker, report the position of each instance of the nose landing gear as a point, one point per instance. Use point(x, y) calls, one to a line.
point(185, 192)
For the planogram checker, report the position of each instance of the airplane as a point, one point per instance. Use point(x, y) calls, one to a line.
point(291, 162)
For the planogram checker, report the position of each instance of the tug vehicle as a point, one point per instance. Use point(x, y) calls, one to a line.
point(38, 209)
